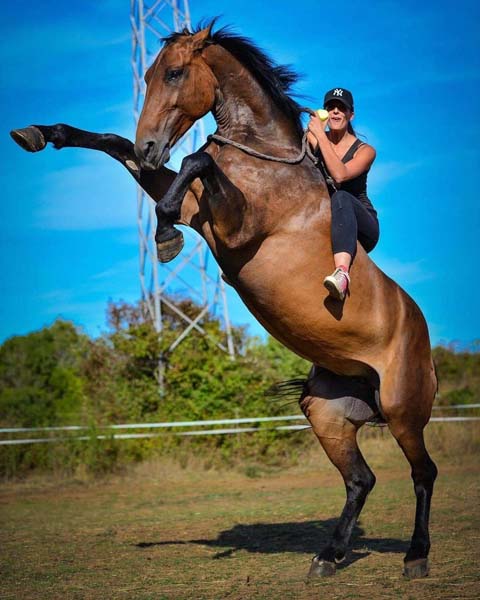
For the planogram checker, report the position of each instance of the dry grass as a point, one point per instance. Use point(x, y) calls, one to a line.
point(162, 532)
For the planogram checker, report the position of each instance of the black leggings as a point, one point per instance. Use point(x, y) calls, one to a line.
point(352, 220)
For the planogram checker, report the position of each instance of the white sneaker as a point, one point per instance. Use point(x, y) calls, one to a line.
point(337, 284)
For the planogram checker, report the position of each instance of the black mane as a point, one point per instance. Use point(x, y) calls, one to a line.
point(276, 80)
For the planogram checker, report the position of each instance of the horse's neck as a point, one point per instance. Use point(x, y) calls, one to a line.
point(243, 110)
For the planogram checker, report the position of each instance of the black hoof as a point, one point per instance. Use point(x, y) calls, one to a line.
point(168, 250)
point(321, 568)
point(29, 138)
point(416, 569)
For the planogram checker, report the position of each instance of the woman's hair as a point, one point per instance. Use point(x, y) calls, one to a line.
point(351, 130)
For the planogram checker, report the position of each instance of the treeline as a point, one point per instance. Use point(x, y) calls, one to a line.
point(458, 374)
point(59, 376)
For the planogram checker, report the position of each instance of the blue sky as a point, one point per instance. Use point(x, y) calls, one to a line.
point(69, 240)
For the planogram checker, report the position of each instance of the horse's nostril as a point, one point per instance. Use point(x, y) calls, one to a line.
point(145, 150)
point(148, 146)
point(148, 149)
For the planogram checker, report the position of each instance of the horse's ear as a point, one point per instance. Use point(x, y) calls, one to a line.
point(201, 38)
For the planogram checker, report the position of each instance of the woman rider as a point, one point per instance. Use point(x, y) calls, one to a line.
point(347, 160)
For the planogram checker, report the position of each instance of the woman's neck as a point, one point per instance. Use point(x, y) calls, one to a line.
point(338, 136)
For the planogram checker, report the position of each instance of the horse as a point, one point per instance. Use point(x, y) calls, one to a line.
point(255, 194)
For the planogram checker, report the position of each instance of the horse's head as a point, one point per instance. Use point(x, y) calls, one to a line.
point(180, 90)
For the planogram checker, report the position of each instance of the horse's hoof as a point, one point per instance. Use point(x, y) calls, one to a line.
point(416, 569)
point(321, 568)
point(29, 138)
point(168, 250)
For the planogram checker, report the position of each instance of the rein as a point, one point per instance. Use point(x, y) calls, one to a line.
point(305, 151)
point(289, 161)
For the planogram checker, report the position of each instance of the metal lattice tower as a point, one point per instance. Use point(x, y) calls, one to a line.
point(190, 274)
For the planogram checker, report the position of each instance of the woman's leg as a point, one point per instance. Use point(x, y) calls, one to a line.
point(351, 220)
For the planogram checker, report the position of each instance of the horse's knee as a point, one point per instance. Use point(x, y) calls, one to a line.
point(362, 482)
point(196, 164)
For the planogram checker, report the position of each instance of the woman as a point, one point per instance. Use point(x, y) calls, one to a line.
point(347, 160)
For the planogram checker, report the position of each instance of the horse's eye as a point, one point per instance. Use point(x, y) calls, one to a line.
point(173, 74)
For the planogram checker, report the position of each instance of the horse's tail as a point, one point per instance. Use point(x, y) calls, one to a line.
point(290, 390)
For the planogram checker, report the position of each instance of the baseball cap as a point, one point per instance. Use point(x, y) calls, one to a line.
point(340, 94)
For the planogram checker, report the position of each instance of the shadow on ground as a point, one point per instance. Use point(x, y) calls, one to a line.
point(304, 537)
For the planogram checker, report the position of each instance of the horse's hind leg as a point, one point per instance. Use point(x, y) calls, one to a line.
point(424, 473)
point(407, 396)
point(335, 413)
point(35, 137)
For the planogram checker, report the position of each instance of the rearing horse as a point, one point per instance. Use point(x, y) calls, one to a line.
point(267, 223)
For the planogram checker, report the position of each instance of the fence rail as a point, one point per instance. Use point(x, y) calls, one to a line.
point(173, 425)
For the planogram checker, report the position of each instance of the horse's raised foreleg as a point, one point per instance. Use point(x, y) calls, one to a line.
point(335, 409)
point(169, 239)
point(36, 137)
point(217, 187)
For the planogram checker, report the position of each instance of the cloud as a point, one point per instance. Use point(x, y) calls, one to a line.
point(384, 173)
point(85, 197)
point(86, 302)
point(404, 273)
point(18, 42)
point(373, 90)
point(118, 269)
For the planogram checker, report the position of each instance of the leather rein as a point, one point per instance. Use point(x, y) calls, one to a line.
point(305, 151)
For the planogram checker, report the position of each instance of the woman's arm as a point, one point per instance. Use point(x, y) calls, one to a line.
point(340, 171)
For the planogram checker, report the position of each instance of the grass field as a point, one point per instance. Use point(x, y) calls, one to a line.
point(161, 532)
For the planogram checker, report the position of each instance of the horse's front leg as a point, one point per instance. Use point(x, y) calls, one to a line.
point(35, 138)
point(217, 187)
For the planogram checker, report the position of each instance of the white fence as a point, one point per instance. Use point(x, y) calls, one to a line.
point(220, 431)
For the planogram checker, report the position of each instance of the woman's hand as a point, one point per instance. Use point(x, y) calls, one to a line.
point(317, 127)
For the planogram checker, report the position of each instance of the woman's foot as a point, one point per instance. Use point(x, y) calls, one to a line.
point(337, 283)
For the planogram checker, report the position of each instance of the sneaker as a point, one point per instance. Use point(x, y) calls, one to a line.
point(337, 283)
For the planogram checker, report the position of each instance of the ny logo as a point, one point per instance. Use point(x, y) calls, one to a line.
point(338, 92)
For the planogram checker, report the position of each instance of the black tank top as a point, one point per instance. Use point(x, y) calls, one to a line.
point(358, 185)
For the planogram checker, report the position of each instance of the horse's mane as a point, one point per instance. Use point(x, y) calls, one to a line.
point(276, 80)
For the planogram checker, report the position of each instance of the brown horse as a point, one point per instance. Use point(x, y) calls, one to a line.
point(262, 205)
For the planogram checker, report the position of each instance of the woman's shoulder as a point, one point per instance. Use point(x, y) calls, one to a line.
point(364, 148)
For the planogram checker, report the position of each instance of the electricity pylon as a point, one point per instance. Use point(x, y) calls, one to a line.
point(189, 273)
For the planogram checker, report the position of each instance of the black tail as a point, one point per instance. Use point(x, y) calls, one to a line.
point(290, 390)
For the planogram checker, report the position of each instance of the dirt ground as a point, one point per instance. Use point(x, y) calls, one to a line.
point(162, 532)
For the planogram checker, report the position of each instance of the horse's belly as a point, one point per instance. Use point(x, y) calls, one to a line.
point(283, 287)
point(307, 335)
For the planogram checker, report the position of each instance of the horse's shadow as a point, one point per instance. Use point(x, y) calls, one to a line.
point(304, 537)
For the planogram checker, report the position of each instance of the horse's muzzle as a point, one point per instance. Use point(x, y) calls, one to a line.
point(152, 154)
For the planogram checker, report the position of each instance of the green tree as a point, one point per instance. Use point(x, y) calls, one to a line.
point(40, 376)
point(458, 374)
